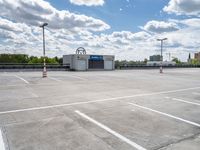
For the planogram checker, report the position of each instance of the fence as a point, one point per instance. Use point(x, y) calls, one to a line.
point(144, 66)
point(32, 66)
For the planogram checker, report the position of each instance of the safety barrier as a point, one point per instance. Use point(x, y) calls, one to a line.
point(32, 66)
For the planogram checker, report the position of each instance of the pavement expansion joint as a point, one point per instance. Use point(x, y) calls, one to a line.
point(179, 141)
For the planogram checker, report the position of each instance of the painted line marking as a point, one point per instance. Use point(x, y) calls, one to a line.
point(2, 145)
point(195, 93)
point(184, 101)
point(34, 95)
point(77, 77)
point(55, 79)
point(168, 115)
point(121, 137)
point(94, 101)
point(22, 79)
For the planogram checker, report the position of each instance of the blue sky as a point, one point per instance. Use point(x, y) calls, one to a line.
point(127, 29)
point(120, 14)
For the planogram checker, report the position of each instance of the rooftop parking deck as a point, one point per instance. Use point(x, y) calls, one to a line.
point(103, 110)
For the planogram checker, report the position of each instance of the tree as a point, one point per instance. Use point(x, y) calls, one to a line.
point(176, 60)
point(195, 62)
point(23, 59)
point(145, 60)
point(14, 58)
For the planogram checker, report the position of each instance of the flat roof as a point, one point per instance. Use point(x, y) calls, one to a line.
point(87, 55)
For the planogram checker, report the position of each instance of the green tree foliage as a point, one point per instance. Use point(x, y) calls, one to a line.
point(176, 60)
point(14, 58)
point(34, 60)
point(23, 59)
point(195, 62)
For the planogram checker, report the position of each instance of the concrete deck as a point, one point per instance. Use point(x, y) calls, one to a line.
point(113, 110)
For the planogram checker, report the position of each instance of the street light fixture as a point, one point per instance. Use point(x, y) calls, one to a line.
point(44, 74)
point(161, 64)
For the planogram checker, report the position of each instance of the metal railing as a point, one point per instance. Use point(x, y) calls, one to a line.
point(144, 66)
point(31, 66)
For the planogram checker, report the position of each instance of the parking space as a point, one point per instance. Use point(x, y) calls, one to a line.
point(121, 110)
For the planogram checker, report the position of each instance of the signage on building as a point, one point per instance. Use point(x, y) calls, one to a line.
point(96, 57)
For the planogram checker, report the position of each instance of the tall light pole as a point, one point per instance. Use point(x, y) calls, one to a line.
point(44, 74)
point(161, 63)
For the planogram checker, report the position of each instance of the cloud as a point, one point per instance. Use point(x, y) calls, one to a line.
point(35, 12)
point(19, 31)
point(123, 44)
point(183, 7)
point(192, 22)
point(160, 26)
point(8, 25)
point(88, 2)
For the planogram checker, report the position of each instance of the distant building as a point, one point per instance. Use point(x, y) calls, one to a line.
point(197, 56)
point(155, 58)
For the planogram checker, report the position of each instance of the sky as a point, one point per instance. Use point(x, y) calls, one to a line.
point(128, 29)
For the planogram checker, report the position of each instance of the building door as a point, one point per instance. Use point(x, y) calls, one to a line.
point(96, 64)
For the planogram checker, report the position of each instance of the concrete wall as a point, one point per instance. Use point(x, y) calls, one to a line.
point(67, 59)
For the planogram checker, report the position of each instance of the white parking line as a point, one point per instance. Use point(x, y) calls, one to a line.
point(77, 77)
point(55, 79)
point(184, 101)
point(34, 95)
point(2, 145)
point(168, 115)
point(94, 101)
point(22, 79)
point(121, 137)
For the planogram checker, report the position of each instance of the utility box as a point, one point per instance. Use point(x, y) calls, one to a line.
point(83, 62)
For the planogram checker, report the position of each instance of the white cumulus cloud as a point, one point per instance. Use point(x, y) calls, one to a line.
point(88, 2)
point(183, 7)
point(160, 26)
point(19, 32)
point(35, 12)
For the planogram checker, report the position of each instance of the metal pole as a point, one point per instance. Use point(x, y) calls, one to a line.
point(161, 59)
point(44, 68)
point(44, 73)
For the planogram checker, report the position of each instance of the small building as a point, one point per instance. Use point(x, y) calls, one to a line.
point(84, 62)
point(155, 58)
point(197, 56)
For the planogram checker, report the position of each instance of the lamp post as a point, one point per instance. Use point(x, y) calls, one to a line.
point(161, 64)
point(44, 73)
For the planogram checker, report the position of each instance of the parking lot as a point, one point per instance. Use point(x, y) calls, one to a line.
point(102, 110)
